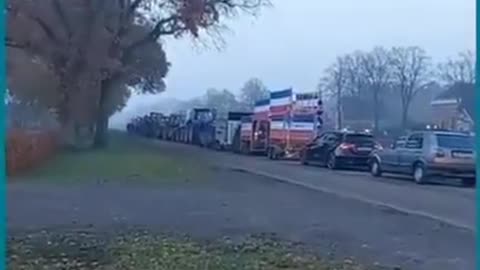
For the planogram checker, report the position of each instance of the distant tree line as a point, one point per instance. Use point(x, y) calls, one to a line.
point(225, 100)
point(361, 81)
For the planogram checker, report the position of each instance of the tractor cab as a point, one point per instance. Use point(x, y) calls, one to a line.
point(202, 115)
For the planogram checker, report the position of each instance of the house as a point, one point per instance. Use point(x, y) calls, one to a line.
point(454, 108)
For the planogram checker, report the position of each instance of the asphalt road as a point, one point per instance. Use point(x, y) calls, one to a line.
point(447, 202)
point(236, 203)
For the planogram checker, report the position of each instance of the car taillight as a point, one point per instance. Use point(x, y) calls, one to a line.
point(439, 153)
point(346, 146)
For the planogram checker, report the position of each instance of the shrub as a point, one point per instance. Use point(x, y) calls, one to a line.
point(28, 148)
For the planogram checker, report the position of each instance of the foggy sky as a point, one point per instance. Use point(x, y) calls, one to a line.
point(290, 44)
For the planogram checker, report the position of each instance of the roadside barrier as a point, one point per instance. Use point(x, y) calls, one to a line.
point(28, 148)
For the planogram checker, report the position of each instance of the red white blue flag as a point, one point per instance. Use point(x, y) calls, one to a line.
point(281, 102)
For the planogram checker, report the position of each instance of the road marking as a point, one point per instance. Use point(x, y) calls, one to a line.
point(350, 195)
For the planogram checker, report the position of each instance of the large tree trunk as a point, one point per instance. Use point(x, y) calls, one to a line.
point(68, 131)
point(339, 114)
point(75, 135)
point(68, 135)
point(405, 116)
point(74, 111)
point(76, 116)
point(101, 125)
point(101, 131)
point(339, 109)
point(376, 111)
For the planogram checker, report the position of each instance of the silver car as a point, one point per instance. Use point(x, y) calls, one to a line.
point(427, 154)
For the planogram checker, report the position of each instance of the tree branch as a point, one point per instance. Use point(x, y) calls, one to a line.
point(48, 31)
point(133, 7)
point(63, 18)
point(156, 32)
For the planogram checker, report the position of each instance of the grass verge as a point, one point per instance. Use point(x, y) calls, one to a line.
point(126, 158)
point(147, 251)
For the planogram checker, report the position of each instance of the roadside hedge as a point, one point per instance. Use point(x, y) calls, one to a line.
point(28, 148)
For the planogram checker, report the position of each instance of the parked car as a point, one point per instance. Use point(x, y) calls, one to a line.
point(427, 154)
point(339, 149)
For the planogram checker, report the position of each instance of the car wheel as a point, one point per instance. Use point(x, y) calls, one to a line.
point(270, 153)
point(244, 147)
point(304, 158)
point(332, 162)
point(275, 155)
point(375, 168)
point(469, 182)
point(419, 174)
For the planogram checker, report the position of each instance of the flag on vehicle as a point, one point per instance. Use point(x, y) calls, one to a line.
point(262, 108)
point(281, 102)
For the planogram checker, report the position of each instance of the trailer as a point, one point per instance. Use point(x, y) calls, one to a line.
point(227, 131)
point(295, 121)
point(255, 130)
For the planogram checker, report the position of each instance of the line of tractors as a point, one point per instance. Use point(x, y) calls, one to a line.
point(277, 127)
point(199, 126)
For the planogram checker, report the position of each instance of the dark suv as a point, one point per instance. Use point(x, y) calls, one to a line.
point(338, 149)
point(426, 154)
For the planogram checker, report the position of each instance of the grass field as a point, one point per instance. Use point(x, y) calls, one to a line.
point(126, 158)
point(146, 251)
point(133, 158)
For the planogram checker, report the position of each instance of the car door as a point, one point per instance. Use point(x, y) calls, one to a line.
point(315, 151)
point(411, 152)
point(390, 156)
point(329, 143)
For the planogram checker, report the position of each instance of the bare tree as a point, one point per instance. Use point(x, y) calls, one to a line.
point(410, 73)
point(458, 75)
point(356, 81)
point(377, 69)
point(222, 101)
point(458, 70)
point(252, 91)
point(334, 83)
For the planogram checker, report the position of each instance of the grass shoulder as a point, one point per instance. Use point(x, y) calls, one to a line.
point(126, 158)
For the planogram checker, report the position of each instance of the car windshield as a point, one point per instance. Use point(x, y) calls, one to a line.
point(455, 141)
point(357, 138)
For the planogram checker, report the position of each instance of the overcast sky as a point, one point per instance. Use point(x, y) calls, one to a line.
point(290, 44)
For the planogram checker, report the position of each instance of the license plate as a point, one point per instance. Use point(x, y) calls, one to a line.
point(364, 149)
point(462, 155)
